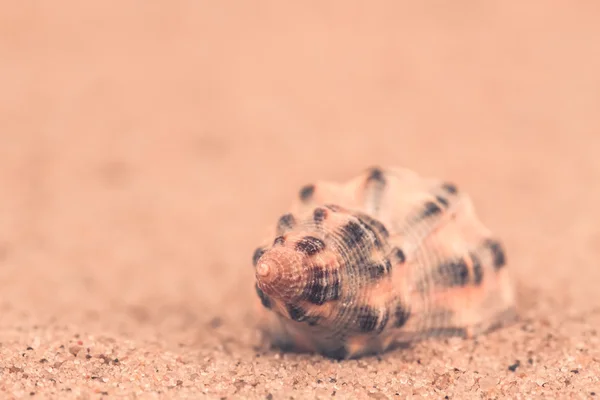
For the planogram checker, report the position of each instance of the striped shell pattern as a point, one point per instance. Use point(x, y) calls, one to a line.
point(386, 258)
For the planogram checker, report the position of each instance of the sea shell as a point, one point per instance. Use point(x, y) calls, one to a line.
point(386, 258)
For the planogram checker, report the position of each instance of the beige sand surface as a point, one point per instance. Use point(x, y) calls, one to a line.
point(144, 147)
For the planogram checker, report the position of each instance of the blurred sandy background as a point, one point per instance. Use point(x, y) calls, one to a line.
point(144, 147)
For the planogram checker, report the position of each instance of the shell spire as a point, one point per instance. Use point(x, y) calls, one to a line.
point(279, 273)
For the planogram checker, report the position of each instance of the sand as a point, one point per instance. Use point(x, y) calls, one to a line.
point(145, 147)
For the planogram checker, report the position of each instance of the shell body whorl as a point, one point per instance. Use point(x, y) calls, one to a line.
point(384, 258)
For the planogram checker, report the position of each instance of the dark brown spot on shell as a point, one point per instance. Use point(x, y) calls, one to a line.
point(450, 188)
point(286, 222)
point(307, 192)
point(399, 255)
point(296, 312)
point(401, 315)
point(498, 256)
point(279, 241)
point(323, 285)
point(352, 234)
point(310, 245)
point(377, 270)
point(319, 215)
point(374, 186)
point(477, 270)
point(266, 302)
point(442, 201)
point(431, 209)
point(366, 318)
point(376, 175)
point(454, 272)
point(257, 254)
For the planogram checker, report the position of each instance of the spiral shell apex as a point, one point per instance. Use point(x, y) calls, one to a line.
point(385, 258)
